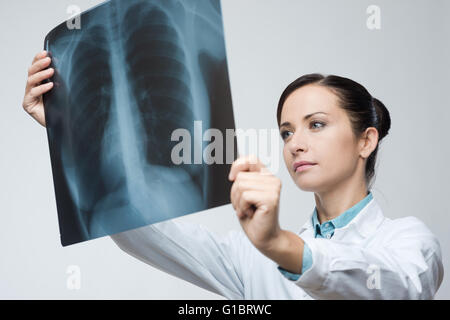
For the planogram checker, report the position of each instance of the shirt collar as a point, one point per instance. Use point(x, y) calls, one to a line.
point(341, 220)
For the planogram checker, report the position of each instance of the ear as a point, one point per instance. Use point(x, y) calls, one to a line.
point(368, 142)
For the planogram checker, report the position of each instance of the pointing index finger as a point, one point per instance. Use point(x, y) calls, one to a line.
point(248, 163)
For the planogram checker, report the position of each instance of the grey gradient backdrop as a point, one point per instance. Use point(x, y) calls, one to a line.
point(269, 44)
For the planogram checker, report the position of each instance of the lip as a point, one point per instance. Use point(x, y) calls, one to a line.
point(303, 165)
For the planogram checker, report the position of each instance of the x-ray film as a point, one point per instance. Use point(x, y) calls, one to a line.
point(140, 120)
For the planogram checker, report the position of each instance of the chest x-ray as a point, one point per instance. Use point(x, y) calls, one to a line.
point(126, 82)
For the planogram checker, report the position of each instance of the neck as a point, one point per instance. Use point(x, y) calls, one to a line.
point(330, 204)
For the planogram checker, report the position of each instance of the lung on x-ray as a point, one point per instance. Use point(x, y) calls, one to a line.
point(140, 120)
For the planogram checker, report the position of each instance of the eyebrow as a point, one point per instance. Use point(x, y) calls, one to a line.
point(304, 119)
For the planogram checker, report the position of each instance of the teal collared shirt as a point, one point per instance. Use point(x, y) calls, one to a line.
point(326, 230)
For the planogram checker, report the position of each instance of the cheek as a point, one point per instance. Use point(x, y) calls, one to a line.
point(336, 156)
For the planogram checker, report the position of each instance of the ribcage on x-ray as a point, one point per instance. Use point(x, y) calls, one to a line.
point(159, 77)
point(91, 84)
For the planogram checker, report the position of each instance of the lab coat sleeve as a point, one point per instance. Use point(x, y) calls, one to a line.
point(408, 265)
point(191, 252)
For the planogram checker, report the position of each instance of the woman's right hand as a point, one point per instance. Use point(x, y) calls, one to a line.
point(33, 103)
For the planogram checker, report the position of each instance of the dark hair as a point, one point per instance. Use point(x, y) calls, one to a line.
point(363, 110)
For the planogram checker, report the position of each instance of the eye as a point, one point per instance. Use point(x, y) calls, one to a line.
point(315, 122)
point(283, 134)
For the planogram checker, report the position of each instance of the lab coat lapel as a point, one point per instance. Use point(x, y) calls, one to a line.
point(364, 225)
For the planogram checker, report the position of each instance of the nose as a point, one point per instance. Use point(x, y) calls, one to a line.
point(298, 143)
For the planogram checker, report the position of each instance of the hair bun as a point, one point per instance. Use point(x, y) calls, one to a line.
point(384, 119)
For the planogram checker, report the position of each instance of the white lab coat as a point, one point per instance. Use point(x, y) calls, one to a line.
point(373, 257)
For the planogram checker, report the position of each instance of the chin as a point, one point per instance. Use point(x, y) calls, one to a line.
point(306, 188)
point(307, 183)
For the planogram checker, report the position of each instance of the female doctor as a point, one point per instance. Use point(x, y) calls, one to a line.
point(331, 127)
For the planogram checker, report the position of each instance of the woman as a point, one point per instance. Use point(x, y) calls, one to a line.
point(331, 128)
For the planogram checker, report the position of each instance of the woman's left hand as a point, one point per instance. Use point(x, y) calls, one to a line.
point(255, 195)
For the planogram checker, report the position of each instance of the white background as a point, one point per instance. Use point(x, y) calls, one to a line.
point(269, 43)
